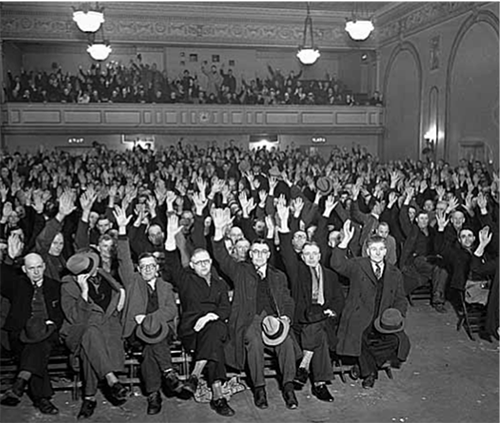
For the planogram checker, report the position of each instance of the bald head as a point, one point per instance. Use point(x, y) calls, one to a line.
point(34, 267)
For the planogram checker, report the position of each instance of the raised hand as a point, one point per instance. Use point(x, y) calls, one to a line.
point(441, 220)
point(66, 204)
point(170, 199)
point(200, 202)
point(273, 182)
point(452, 204)
point(201, 184)
point(482, 202)
point(247, 205)
point(485, 236)
point(122, 220)
point(173, 227)
point(15, 245)
point(348, 231)
point(87, 199)
point(151, 202)
point(297, 205)
point(393, 197)
point(440, 191)
point(330, 204)
point(221, 217)
point(283, 212)
point(262, 198)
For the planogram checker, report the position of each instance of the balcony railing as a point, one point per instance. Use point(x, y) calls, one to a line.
point(179, 118)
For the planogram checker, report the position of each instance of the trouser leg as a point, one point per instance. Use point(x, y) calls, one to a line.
point(314, 338)
point(255, 352)
point(156, 358)
point(90, 378)
point(35, 359)
point(439, 278)
point(210, 347)
point(286, 359)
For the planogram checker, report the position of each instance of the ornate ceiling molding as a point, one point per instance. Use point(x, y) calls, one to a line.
point(121, 26)
point(402, 21)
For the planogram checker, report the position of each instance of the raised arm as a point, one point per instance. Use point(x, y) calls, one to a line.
point(339, 261)
point(125, 266)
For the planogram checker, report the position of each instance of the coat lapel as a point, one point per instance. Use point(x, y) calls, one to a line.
point(367, 268)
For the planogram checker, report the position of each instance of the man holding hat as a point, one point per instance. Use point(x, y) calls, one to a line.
point(33, 323)
point(372, 323)
point(261, 314)
point(92, 301)
point(148, 319)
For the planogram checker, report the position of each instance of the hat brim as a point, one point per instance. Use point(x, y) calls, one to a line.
point(380, 329)
point(23, 337)
point(329, 188)
point(277, 341)
point(147, 339)
point(94, 258)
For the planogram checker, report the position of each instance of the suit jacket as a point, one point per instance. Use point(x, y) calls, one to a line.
point(360, 302)
point(137, 293)
point(245, 279)
point(18, 289)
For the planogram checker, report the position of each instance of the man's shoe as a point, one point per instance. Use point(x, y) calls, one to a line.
point(321, 392)
point(88, 407)
point(173, 382)
point(154, 403)
point(19, 386)
point(191, 384)
point(222, 407)
point(440, 308)
point(260, 398)
point(289, 396)
point(10, 399)
point(118, 393)
point(46, 407)
point(301, 376)
point(369, 381)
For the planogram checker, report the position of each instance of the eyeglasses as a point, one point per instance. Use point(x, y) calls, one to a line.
point(260, 252)
point(146, 267)
point(311, 254)
point(202, 262)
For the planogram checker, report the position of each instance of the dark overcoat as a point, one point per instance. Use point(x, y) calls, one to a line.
point(244, 306)
point(79, 315)
point(360, 302)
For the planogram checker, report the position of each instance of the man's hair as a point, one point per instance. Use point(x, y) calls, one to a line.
point(103, 217)
point(105, 237)
point(259, 241)
point(311, 244)
point(198, 251)
point(146, 255)
point(373, 239)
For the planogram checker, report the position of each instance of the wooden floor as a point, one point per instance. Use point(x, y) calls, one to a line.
point(447, 378)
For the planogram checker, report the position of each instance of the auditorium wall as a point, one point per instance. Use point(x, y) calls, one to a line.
point(443, 83)
point(81, 142)
point(248, 62)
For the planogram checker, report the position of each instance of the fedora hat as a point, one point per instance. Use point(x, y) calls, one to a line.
point(244, 166)
point(151, 330)
point(275, 172)
point(324, 184)
point(274, 330)
point(83, 263)
point(36, 330)
point(391, 321)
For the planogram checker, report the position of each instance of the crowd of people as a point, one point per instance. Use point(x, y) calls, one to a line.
point(143, 83)
point(304, 256)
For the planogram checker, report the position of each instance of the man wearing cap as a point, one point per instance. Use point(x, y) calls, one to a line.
point(92, 301)
point(33, 322)
point(205, 310)
point(319, 301)
point(150, 301)
point(260, 291)
point(375, 287)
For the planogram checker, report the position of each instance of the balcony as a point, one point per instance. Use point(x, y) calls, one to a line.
point(107, 118)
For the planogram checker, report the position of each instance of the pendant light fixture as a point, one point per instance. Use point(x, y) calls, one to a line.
point(308, 53)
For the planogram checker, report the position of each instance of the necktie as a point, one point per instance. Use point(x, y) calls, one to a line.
point(260, 272)
point(315, 286)
point(378, 270)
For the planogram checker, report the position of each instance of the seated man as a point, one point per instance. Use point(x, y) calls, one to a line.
point(147, 294)
point(319, 301)
point(418, 260)
point(260, 291)
point(91, 301)
point(371, 325)
point(205, 310)
point(33, 323)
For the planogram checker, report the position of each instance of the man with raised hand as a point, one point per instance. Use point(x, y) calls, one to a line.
point(372, 323)
point(150, 305)
point(205, 310)
point(319, 301)
point(261, 314)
